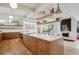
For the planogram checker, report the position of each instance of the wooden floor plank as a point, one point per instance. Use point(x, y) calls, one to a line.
point(71, 48)
point(13, 47)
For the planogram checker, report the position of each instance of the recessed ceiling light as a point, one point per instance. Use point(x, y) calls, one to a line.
point(10, 17)
point(13, 5)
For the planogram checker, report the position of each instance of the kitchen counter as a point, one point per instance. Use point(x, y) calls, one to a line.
point(11, 30)
point(40, 36)
point(45, 36)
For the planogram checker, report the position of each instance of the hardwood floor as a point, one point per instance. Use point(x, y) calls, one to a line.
point(13, 47)
point(71, 48)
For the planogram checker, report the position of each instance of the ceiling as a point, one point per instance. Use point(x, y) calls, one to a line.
point(35, 10)
point(31, 5)
point(20, 12)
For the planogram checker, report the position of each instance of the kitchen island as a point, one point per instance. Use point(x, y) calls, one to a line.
point(0, 36)
point(39, 44)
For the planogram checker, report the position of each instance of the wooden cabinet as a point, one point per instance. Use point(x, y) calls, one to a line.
point(42, 47)
point(30, 43)
point(10, 35)
point(57, 47)
point(0, 36)
point(36, 46)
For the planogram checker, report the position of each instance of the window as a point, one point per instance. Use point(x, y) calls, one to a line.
point(47, 28)
point(3, 21)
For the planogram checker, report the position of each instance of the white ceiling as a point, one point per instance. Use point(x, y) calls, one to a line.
point(34, 10)
point(31, 5)
point(20, 12)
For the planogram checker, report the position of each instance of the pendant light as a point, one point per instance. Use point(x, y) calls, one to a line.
point(58, 9)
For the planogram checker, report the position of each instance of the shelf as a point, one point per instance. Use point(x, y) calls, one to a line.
point(48, 22)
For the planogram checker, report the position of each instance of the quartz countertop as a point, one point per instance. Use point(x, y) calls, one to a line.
point(11, 30)
point(45, 36)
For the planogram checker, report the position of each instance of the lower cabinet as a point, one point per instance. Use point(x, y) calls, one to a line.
point(29, 43)
point(41, 47)
point(0, 36)
point(10, 35)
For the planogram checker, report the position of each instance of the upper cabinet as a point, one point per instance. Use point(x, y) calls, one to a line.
point(30, 27)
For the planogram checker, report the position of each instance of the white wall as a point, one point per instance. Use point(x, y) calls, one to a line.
point(73, 32)
point(57, 30)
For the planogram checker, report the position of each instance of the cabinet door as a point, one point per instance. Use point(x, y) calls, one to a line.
point(30, 43)
point(39, 47)
point(43, 47)
point(46, 47)
point(0, 36)
point(57, 47)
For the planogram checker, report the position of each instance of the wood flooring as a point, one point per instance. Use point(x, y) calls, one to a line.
point(13, 47)
point(71, 48)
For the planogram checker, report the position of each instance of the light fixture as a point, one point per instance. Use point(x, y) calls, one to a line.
point(13, 5)
point(10, 16)
point(58, 10)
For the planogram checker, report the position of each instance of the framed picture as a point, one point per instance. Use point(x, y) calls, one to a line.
point(66, 24)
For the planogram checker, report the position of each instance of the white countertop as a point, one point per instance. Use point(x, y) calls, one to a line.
point(11, 30)
point(41, 36)
point(45, 37)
